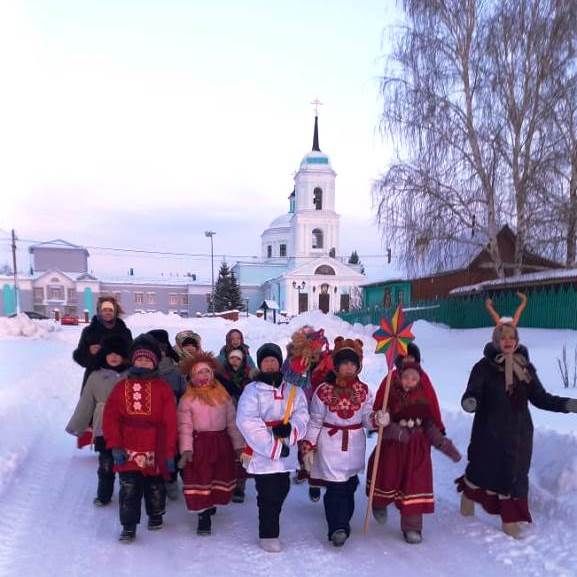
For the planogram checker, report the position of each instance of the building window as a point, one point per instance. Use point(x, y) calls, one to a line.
point(150, 298)
point(318, 198)
point(71, 295)
point(55, 293)
point(269, 251)
point(173, 300)
point(282, 250)
point(184, 300)
point(138, 298)
point(38, 294)
point(325, 269)
point(317, 238)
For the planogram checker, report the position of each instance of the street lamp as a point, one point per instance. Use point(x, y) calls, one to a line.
point(210, 234)
point(299, 287)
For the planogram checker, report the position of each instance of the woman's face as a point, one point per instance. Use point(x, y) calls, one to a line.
point(410, 379)
point(107, 311)
point(201, 374)
point(507, 342)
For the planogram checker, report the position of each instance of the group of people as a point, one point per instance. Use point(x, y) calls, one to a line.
point(155, 410)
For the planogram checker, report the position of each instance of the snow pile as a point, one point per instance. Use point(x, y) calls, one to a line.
point(22, 326)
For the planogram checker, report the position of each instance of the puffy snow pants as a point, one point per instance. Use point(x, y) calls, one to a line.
point(135, 485)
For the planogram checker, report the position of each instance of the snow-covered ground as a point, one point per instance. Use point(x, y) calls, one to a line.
point(50, 528)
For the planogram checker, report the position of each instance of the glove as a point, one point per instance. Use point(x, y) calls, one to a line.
point(119, 456)
point(571, 405)
point(185, 458)
point(382, 418)
point(394, 432)
point(448, 448)
point(285, 451)
point(469, 404)
point(308, 459)
point(170, 465)
point(282, 431)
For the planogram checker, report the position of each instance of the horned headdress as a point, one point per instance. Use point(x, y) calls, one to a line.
point(499, 320)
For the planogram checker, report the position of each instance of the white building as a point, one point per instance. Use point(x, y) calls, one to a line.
point(299, 267)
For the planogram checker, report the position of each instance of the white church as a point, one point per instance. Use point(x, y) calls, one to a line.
point(299, 269)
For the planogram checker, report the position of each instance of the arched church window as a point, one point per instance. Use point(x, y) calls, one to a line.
point(269, 251)
point(318, 198)
point(325, 269)
point(317, 238)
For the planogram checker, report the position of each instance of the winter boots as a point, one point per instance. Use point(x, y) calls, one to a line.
point(204, 523)
point(97, 502)
point(270, 545)
point(339, 537)
point(413, 537)
point(314, 494)
point(512, 529)
point(155, 522)
point(380, 515)
point(467, 506)
point(238, 495)
point(128, 534)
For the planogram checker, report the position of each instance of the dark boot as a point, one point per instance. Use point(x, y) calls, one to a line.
point(127, 534)
point(155, 522)
point(315, 494)
point(204, 523)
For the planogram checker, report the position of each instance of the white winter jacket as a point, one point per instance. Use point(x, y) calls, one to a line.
point(259, 407)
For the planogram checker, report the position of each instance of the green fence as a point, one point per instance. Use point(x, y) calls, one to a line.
point(546, 308)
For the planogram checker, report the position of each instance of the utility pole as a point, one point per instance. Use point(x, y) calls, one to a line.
point(210, 234)
point(15, 270)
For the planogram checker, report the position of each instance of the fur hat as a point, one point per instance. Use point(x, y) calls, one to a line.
point(187, 364)
point(413, 351)
point(269, 350)
point(112, 344)
point(145, 346)
point(348, 350)
point(163, 340)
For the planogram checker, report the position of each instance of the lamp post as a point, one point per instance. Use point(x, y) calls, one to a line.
point(299, 287)
point(210, 234)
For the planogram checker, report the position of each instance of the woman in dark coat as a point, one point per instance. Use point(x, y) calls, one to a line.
point(106, 323)
point(500, 388)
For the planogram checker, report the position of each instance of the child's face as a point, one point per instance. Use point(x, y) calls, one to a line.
point(143, 363)
point(347, 369)
point(269, 365)
point(201, 374)
point(190, 348)
point(409, 359)
point(235, 340)
point(235, 362)
point(410, 379)
point(113, 360)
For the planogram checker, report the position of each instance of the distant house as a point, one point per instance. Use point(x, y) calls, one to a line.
point(478, 269)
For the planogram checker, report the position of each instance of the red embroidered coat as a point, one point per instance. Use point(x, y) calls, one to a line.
point(140, 417)
point(336, 429)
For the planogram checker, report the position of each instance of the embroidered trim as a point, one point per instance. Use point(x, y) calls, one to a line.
point(143, 459)
point(346, 404)
point(138, 398)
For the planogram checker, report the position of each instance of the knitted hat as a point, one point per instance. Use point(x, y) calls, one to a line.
point(269, 350)
point(145, 346)
point(187, 364)
point(236, 353)
point(348, 350)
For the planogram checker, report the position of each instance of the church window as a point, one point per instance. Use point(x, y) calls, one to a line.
point(325, 269)
point(317, 238)
point(269, 251)
point(318, 198)
point(282, 250)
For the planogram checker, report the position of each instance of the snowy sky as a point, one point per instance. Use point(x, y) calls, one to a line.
point(143, 123)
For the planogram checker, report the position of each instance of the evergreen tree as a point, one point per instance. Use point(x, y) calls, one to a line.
point(227, 295)
point(354, 259)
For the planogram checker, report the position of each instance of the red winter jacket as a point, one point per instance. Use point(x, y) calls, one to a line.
point(140, 417)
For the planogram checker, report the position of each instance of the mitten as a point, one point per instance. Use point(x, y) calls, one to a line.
point(469, 404)
point(381, 418)
point(282, 431)
point(185, 458)
point(170, 465)
point(394, 432)
point(285, 451)
point(447, 448)
point(119, 456)
point(571, 405)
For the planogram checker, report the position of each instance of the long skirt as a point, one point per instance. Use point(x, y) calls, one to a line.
point(210, 478)
point(405, 476)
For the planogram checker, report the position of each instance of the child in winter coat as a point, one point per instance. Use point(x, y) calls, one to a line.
point(235, 340)
point(405, 472)
point(111, 367)
point(272, 416)
point(208, 439)
point(500, 388)
point(334, 445)
point(140, 428)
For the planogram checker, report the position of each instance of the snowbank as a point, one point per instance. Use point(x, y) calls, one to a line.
point(22, 326)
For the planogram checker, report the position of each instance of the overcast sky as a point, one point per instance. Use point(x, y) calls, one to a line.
point(143, 123)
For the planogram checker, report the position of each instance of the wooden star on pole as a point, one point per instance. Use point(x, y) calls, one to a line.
point(393, 337)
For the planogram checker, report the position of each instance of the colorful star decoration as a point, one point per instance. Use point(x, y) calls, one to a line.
point(393, 337)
